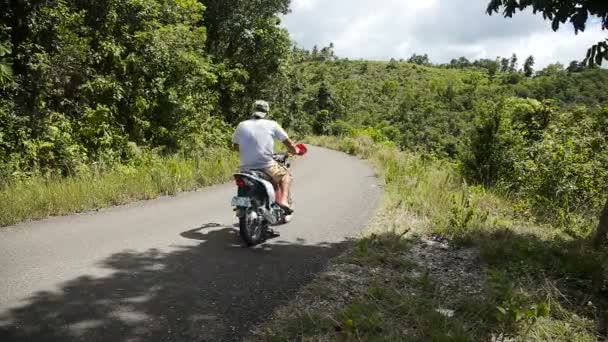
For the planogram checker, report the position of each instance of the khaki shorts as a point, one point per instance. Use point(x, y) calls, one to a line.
point(276, 172)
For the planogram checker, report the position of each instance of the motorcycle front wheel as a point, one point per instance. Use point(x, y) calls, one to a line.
point(252, 228)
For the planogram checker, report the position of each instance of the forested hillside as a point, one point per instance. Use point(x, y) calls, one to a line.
point(541, 138)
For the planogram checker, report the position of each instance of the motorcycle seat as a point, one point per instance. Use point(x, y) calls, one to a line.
point(259, 174)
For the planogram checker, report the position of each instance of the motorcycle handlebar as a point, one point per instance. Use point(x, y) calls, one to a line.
point(302, 150)
point(280, 156)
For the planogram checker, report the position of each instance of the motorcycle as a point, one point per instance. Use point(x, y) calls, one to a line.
point(255, 203)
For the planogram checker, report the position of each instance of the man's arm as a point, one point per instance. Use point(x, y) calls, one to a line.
point(290, 146)
point(280, 134)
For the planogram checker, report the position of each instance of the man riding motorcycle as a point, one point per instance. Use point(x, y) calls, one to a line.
point(254, 139)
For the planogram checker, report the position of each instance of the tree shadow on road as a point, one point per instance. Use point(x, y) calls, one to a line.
point(214, 291)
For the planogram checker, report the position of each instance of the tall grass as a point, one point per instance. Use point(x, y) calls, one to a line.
point(418, 186)
point(40, 197)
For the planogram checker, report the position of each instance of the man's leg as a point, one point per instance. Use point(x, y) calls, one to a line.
point(282, 179)
point(284, 187)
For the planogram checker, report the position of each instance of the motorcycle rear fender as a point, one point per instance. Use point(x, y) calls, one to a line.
point(266, 184)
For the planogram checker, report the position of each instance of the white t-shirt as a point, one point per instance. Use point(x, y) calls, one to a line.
point(255, 138)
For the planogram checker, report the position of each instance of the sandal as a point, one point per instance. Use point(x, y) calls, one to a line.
point(286, 209)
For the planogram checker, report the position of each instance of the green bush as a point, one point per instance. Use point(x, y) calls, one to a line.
point(553, 159)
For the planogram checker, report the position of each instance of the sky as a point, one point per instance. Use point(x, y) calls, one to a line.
point(443, 29)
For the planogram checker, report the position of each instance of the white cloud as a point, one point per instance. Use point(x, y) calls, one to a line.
point(303, 5)
point(384, 29)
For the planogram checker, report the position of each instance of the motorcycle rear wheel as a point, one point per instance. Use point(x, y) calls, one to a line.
point(252, 231)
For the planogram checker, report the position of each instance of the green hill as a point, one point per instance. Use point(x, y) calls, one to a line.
point(541, 139)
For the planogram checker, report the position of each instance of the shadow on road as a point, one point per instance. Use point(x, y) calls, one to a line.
point(214, 291)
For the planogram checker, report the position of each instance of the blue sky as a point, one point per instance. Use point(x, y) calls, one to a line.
point(444, 29)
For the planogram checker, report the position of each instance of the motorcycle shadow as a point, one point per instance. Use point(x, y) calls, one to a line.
point(216, 235)
point(212, 290)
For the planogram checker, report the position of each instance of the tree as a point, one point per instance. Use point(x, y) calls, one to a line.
point(600, 236)
point(577, 12)
point(324, 109)
point(575, 66)
point(392, 64)
point(364, 68)
point(325, 100)
point(463, 62)
point(554, 69)
point(246, 36)
point(6, 72)
point(460, 63)
point(420, 59)
point(504, 65)
point(513, 63)
point(326, 53)
point(560, 11)
point(492, 66)
point(529, 66)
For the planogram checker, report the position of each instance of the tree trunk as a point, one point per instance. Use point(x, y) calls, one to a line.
point(602, 228)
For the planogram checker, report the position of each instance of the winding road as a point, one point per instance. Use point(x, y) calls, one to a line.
point(173, 269)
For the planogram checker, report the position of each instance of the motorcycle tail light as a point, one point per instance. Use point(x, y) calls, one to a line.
point(240, 182)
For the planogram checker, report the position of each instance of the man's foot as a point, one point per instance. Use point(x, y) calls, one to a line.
point(286, 209)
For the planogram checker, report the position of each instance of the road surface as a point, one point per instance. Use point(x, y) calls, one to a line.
point(174, 269)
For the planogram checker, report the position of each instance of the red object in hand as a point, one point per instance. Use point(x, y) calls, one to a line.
point(301, 149)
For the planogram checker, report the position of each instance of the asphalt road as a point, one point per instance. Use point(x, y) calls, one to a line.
point(174, 269)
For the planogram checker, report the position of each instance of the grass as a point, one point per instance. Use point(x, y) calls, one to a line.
point(541, 283)
point(39, 197)
point(392, 299)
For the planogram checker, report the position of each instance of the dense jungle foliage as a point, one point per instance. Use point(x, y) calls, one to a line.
point(85, 82)
point(106, 83)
